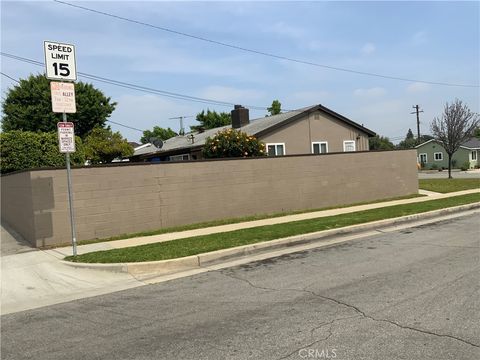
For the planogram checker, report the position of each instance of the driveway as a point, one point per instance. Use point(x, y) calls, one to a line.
point(12, 242)
point(33, 278)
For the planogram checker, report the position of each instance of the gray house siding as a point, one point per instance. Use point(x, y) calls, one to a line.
point(433, 155)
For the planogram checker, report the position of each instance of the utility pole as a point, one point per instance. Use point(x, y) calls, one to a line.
point(417, 111)
point(182, 130)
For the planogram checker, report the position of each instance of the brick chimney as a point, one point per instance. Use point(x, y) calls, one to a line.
point(240, 117)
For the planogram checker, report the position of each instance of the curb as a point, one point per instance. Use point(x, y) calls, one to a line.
point(170, 266)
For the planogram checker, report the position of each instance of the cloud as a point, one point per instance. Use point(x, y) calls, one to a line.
point(283, 29)
point(368, 49)
point(371, 93)
point(419, 38)
point(146, 111)
point(384, 117)
point(170, 59)
point(417, 87)
point(234, 95)
point(309, 97)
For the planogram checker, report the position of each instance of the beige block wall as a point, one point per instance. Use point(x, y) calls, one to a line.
point(316, 127)
point(17, 205)
point(125, 199)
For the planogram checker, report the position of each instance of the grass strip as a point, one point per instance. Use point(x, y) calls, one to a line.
point(206, 243)
point(232, 221)
point(448, 185)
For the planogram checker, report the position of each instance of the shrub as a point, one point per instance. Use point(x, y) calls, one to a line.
point(434, 167)
point(232, 143)
point(29, 150)
point(103, 146)
point(465, 166)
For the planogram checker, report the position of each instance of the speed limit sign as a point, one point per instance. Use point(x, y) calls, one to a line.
point(60, 61)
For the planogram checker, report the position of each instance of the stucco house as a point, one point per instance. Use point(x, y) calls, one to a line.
point(432, 154)
point(310, 130)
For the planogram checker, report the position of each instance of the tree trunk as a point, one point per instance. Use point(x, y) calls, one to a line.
point(449, 166)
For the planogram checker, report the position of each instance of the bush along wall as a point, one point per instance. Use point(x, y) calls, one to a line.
point(21, 150)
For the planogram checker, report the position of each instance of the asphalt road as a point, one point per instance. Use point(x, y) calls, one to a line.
point(471, 174)
point(412, 294)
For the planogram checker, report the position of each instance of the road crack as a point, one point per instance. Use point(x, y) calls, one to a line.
point(356, 309)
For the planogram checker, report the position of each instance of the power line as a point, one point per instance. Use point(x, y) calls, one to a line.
point(126, 126)
point(113, 122)
point(258, 52)
point(140, 87)
point(11, 78)
point(182, 130)
point(417, 111)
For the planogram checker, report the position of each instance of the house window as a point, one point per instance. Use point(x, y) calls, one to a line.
point(349, 145)
point(181, 157)
point(438, 156)
point(423, 158)
point(320, 147)
point(276, 149)
point(473, 155)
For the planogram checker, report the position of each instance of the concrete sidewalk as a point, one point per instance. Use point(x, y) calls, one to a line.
point(82, 249)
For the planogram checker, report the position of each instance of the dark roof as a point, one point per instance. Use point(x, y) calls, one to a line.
point(472, 143)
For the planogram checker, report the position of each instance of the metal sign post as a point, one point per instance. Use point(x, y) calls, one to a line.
point(60, 65)
point(70, 197)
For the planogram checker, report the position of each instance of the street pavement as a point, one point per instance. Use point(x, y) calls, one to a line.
point(408, 294)
point(470, 174)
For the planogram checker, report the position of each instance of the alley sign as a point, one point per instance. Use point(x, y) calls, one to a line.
point(63, 97)
point(66, 137)
point(60, 61)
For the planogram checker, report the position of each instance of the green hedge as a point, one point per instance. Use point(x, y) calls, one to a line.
point(29, 150)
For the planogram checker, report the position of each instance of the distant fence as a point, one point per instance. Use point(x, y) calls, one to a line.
point(114, 200)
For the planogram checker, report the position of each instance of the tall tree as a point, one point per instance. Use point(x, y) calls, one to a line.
point(275, 108)
point(380, 143)
point(409, 134)
point(409, 141)
point(157, 132)
point(456, 125)
point(103, 146)
point(477, 132)
point(211, 119)
point(28, 107)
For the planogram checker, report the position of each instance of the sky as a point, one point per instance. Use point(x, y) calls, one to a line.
point(422, 41)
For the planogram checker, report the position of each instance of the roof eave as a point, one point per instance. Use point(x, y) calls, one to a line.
point(369, 132)
point(332, 113)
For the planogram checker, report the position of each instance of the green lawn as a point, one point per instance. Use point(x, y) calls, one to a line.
point(448, 185)
point(201, 244)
